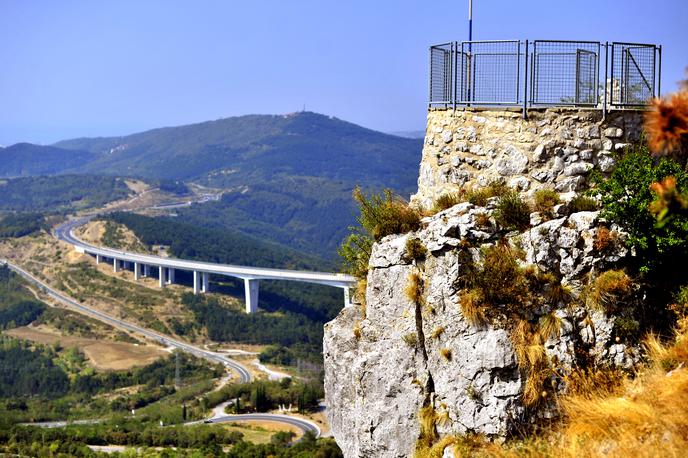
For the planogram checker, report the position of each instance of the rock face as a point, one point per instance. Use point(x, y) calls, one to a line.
point(381, 368)
point(390, 360)
point(553, 148)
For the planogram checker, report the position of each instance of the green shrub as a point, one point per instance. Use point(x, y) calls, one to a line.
point(583, 204)
point(497, 280)
point(380, 215)
point(626, 329)
point(446, 201)
point(544, 200)
point(480, 196)
point(415, 250)
point(626, 197)
point(512, 212)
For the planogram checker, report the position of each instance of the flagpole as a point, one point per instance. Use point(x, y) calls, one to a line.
point(470, 20)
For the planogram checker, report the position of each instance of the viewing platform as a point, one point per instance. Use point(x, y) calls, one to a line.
point(527, 74)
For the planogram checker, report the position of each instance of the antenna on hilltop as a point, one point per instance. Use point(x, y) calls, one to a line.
point(303, 110)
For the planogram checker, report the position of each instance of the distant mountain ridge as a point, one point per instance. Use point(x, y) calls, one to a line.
point(303, 144)
point(288, 177)
point(27, 159)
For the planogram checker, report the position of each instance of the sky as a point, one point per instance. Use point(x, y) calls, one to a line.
point(103, 68)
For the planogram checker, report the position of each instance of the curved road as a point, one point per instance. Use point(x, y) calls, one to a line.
point(244, 375)
point(304, 425)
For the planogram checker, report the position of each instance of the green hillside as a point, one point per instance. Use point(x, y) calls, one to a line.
point(242, 149)
point(26, 159)
point(288, 178)
point(63, 193)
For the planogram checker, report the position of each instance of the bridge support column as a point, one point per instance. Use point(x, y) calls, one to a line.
point(347, 296)
point(205, 285)
point(161, 276)
point(251, 291)
point(137, 271)
point(97, 259)
point(115, 265)
point(170, 276)
point(196, 282)
point(146, 270)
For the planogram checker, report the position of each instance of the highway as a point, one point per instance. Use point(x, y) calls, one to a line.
point(64, 233)
point(244, 375)
point(303, 425)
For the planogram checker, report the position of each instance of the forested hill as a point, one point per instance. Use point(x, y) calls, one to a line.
point(260, 146)
point(26, 159)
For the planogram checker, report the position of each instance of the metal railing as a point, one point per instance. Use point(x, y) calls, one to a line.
point(544, 73)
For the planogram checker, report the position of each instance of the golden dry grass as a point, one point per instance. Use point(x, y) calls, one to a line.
point(446, 354)
point(606, 414)
point(414, 288)
point(608, 289)
point(101, 354)
point(473, 307)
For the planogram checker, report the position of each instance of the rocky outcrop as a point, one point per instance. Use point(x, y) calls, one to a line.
point(384, 365)
point(554, 148)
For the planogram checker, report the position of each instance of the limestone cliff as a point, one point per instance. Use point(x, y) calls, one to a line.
point(387, 361)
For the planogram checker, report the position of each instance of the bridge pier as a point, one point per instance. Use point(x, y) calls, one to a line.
point(146, 270)
point(196, 282)
point(251, 294)
point(137, 271)
point(115, 265)
point(205, 285)
point(347, 296)
point(170, 275)
point(97, 259)
point(161, 276)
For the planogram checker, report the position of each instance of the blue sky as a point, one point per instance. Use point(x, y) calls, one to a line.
point(97, 68)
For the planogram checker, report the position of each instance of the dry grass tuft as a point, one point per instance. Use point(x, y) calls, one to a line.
point(605, 239)
point(446, 201)
point(512, 211)
point(411, 339)
point(360, 294)
point(544, 200)
point(415, 250)
point(583, 204)
point(482, 220)
point(608, 289)
point(414, 288)
point(357, 330)
point(437, 332)
point(593, 382)
point(446, 354)
point(549, 325)
point(480, 196)
point(427, 418)
point(473, 307)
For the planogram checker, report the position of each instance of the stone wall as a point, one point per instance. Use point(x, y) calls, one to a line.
point(554, 148)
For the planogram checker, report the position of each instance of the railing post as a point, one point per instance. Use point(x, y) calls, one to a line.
point(452, 82)
point(525, 83)
point(659, 73)
point(430, 78)
point(606, 66)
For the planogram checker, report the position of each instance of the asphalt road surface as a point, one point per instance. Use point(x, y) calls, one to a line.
point(244, 375)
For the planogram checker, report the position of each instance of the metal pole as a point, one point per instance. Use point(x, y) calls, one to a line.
point(470, 20)
point(606, 65)
point(430, 80)
point(525, 83)
point(452, 83)
point(659, 76)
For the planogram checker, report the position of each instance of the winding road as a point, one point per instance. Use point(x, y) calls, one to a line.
point(244, 375)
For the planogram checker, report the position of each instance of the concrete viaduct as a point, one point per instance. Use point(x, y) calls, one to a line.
point(166, 267)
